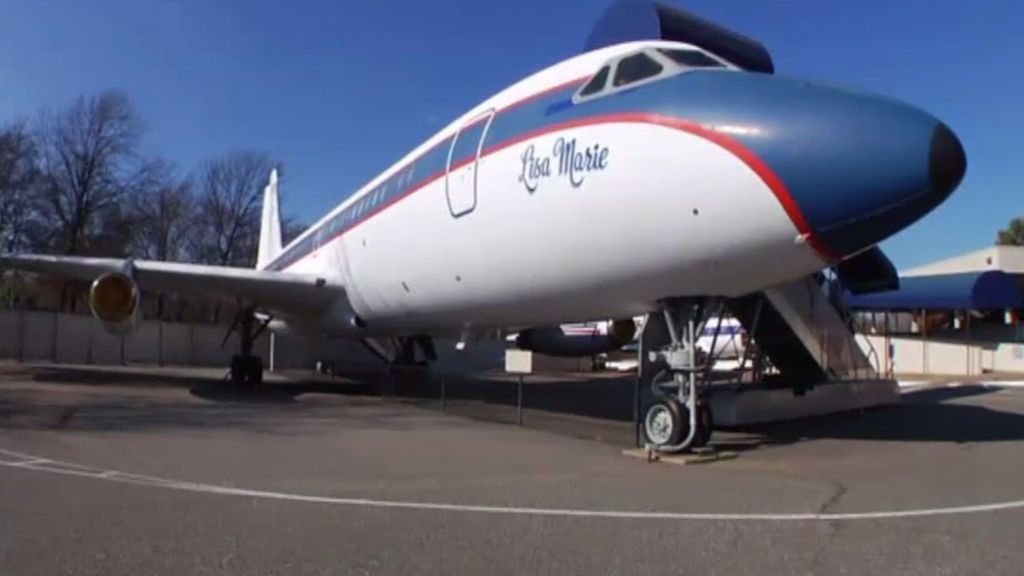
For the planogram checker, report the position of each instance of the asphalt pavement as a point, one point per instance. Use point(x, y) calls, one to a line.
point(174, 472)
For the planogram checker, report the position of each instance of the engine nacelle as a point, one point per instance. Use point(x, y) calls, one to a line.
point(576, 340)
point(114, 301)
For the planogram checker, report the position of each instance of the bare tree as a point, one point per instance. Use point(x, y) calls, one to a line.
point(291, 229)
point(19, 174)
point(229, 208)
point(164, 213)
point(87, 160)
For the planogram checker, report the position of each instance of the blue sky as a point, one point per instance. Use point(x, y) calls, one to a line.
point(338, 90)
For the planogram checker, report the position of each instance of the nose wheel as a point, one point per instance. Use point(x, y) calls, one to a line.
point(667, 423)
point(664, 423)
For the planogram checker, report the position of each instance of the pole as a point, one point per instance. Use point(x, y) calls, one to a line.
point(56, 335)
point(519, 400)
point(636, 412)
point(888, 347)
point(21, 334)
point(924, 340)
point(443, 394)
point(967, 322)
point(273, 350)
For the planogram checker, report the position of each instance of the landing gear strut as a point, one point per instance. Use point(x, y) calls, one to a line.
point(678, 417)
point(246, 367)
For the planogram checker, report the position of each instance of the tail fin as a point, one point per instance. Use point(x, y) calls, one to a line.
point(270, 225)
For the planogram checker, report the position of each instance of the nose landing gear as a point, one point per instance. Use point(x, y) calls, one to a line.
point(678, 417)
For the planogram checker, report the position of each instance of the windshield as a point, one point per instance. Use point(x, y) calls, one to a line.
point(596, 83)
point(635, 68)
point(691, 58)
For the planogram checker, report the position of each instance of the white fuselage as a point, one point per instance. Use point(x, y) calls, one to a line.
point(642, 212)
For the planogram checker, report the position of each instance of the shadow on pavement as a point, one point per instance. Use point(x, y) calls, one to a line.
point(930, 415)
point(601, 407)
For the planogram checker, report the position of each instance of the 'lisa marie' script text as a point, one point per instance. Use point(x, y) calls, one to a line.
point(567, 160)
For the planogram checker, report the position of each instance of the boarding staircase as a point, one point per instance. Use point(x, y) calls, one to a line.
point(805, 332)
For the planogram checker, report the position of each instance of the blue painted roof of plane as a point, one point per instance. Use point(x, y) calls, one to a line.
point(991, 290)
point(629, 20)
point(853, 166)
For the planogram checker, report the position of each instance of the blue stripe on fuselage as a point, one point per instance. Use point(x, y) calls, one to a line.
point(841, 155)
point(524, 116)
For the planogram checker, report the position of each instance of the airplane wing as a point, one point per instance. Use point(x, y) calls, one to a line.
point(294, 293)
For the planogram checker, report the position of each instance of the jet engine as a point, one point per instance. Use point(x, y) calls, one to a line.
point(114, 300)
point(574, 340)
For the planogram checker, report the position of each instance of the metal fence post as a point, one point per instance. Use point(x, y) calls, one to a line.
point(88, 344)
point(519, 400)
point(21, 334)
point(636, 411)
point(273, 349)
point(56, 335)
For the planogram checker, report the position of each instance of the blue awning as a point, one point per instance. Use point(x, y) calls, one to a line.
point(992, 290)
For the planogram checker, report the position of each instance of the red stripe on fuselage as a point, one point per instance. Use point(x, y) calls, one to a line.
point(747, 156)
point(744, 154)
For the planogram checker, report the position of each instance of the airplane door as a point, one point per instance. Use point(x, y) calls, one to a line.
point(464, 164)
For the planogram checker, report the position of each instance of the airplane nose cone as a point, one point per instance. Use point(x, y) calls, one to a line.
point(894, 164)
point(849, 168)
point(856, 168)
point(947, 162)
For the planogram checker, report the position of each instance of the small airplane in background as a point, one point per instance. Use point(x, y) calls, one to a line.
point(652, 169)
point(722, 337)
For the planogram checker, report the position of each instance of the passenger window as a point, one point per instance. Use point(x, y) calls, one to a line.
point(596, 83)
point(635, 68)
point(691, 58)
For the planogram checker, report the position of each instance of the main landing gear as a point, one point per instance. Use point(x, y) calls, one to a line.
point(677, 416)
point(246, 367)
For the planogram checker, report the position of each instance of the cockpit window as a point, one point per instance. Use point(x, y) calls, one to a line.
point(635, 68)
point(596, 83)
point(643, 66)
point(691, 58)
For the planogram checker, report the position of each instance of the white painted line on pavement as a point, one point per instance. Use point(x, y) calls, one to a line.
point(152, 481)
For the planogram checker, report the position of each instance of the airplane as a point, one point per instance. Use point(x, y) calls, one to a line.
point(722, 338)
point(662, 168)
point(578, 338)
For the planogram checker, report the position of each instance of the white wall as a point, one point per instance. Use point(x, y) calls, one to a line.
point(79, 339)
point(73, 338)
point(918, 356)
point(38, 332)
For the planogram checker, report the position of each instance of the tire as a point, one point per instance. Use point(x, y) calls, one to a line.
point(255, 371)
point(666, 423)
point(238, 370)
point(705, 425)
point(246, 370)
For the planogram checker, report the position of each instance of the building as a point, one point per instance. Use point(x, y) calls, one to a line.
point(956, 316)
